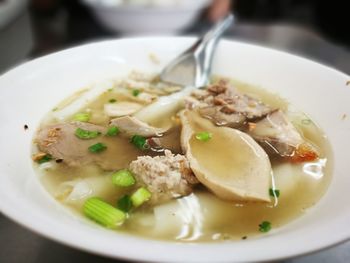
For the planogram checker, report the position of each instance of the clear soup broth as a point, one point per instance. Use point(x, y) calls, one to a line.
point(200, 216)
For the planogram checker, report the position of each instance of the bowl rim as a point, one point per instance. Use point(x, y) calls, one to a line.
point(185, 6)
point(10, 211)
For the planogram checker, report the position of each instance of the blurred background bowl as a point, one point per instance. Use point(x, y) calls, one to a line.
point(16, 38)
point(9, 9)
point(147, 17)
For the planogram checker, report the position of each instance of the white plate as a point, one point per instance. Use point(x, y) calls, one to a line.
point(32, 89)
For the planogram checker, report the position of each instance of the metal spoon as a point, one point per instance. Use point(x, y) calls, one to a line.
point(191, 70)
point(193, 67)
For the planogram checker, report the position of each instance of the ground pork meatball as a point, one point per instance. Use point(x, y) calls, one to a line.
point(166, 177)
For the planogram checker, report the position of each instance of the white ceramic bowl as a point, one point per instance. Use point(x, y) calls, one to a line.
point(32, 89)
point(129, 19)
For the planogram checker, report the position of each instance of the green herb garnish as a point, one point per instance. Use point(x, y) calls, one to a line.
point(136, 92)
point(98, 147)
point(140, 142)
point(112, 131)
point(124, 203)
point(274, 192)
point(265, 226)
point(103, 213)
point(46, 158)
point(83, 117)
point(203, 136)
point(123, 178)
point(85, 134)
point(306, 121)
point(112, 100)
point(140, 196)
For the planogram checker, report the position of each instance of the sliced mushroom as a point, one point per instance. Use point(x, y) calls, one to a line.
point(121, 108)
point(132, 126)
point(231, 164)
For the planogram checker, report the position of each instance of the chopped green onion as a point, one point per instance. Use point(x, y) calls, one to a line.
point(203, 136)
point(98, 147)
point(265, 226)
point(112, 100)
point(141, 196)
point(140, 142)
point(46, 158)
point(83, 117)
point(124, 203)
point(103, 213)
point(111, 89)
point(112, 131)
point(85, 134)
point(274, 192)
point(306, 121)
point(123, 178)
point(55, 109)
point(136, 92)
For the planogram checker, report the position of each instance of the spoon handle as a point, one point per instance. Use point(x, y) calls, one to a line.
point(193, 67)
point(204, 48)
point(216, 32)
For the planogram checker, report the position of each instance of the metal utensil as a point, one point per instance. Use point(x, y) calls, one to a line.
point(193, 67)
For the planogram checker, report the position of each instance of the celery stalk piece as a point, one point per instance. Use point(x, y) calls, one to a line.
point(140, 196)
point(103, 213)
point(123, 178)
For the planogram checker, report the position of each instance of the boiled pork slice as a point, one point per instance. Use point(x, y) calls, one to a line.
point(225, 106)
point(60, 141)
point(278, 136)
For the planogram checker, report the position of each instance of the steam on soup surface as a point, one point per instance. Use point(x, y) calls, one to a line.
point(228, 161)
